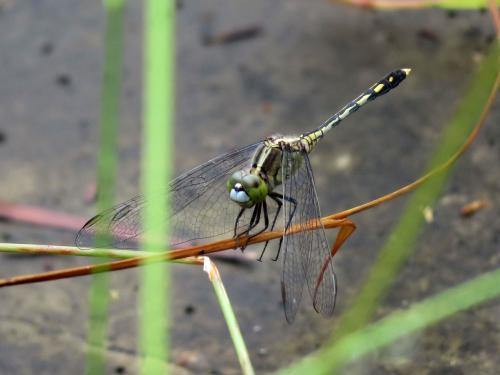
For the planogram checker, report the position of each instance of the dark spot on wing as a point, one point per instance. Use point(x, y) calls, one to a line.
point(92, 221)
point(122, 212)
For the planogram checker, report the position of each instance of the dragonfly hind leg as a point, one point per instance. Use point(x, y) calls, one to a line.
point(294, 202)
point(237, 221)
point(277, 198)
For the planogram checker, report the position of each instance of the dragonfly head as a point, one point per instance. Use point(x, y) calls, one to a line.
point(246, 188)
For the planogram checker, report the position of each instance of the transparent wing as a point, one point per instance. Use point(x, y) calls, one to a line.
point(307, 257)
point(199, 205)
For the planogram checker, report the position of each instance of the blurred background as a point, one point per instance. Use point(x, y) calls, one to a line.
point(297, 63)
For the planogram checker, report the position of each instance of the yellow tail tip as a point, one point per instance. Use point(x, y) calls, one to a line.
point(407, 71)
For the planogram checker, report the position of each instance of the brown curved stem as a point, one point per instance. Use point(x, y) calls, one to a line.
point(328, 222)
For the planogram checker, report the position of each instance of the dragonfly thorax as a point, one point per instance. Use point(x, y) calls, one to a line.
point(246, 188)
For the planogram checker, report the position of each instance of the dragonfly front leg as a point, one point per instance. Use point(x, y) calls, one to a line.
point(254, 221)
point(266, 222)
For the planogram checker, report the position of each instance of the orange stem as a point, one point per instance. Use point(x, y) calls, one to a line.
point(495, 16)
point(388, 4)
point(193, 251)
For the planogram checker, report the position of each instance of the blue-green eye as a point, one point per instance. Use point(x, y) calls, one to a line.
point(246, 188)
point(238, 195)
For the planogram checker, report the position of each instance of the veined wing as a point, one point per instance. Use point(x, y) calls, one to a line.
point(199, 205)
point(307, 258)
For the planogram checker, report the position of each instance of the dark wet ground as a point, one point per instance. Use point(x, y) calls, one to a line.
point(310, 58)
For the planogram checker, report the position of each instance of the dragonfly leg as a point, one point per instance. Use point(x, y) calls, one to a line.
point(266, 225)
point(294, 202)
point(266, 220)
point(237, 220)
point(277, 198)
point(254, 221)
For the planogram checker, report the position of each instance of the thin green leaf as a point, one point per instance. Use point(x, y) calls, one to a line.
point(400, 324)
point(109, 119)
point(463, 4)
point(158, 118)
point(230, 318)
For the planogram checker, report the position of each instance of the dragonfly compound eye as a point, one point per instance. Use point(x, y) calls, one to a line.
point(239, 195)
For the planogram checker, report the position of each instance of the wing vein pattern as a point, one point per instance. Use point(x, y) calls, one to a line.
point(199, 205)
point(307, 253)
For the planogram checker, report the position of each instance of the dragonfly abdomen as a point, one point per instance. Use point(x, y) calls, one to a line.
point(383, 86)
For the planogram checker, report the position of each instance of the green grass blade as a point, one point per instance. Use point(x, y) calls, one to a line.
point(158, 118)
point(230, 318)
point(400, 243)
point(400, 324)
point(109, 119)
point(463, 4)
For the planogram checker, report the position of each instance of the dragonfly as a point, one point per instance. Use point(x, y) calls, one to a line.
point(243, 193)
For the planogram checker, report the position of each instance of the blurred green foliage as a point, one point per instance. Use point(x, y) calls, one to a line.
point(109, 120)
